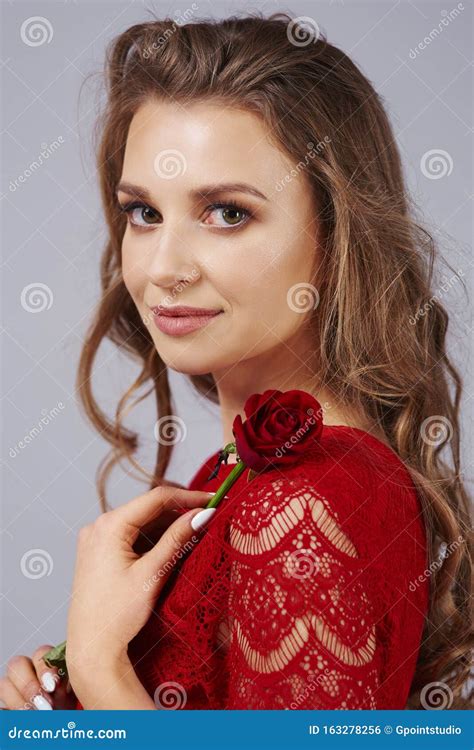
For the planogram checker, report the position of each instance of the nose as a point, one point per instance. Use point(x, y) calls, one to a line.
point(172, 259)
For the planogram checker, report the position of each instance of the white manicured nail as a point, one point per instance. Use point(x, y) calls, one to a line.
point(201, 519)
point(41, 703)
point(48, 682)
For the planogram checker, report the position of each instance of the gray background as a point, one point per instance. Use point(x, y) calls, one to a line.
point(53, 234)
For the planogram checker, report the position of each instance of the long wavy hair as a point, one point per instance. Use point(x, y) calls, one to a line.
point(381, 328)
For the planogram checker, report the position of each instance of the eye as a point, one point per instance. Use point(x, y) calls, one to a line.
point(232, 214)
point(140, 215)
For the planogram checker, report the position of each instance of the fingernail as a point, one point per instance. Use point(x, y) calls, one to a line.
point(41, 703)
point(48, 682)
point(201, 519)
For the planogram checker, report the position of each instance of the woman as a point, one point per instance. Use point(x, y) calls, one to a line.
point(248, 170)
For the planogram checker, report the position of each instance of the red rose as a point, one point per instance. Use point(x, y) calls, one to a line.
point(280, 427)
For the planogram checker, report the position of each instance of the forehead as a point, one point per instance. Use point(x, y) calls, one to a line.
point(215, 141)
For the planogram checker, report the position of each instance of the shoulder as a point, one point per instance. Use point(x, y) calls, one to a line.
point(346, 464)
point(350, 492)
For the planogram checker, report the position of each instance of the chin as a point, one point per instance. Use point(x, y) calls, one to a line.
point(189, 366)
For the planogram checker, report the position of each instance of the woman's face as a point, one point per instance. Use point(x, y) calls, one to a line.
point(185, 245)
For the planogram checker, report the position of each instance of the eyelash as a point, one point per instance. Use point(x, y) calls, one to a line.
point(129, 207)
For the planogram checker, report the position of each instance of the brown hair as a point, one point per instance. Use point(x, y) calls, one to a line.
point(390, 362)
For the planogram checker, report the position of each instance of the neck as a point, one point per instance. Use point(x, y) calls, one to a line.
point(237, 383)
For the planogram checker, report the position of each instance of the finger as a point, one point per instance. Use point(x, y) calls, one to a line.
point(62, 700)
point(160, 524)
point(150, 534)
point(22, 674)
point(173, 540)
point(49, 677)
point(166, 483)
point(146, 507)
point(10, 695)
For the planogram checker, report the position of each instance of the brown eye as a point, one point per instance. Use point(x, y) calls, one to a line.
point(140, 215)
point(145, 214)
point(228, 215)
point(232, 215)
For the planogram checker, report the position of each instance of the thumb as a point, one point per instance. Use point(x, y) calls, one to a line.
point(178, 540)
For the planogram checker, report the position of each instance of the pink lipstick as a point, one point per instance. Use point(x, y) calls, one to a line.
point(180, 320)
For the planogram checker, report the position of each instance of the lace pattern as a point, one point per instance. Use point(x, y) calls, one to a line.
point(297, 595)
point(300, 609)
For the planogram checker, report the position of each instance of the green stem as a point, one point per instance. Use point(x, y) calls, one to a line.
point(226, 484)
point(56, 657)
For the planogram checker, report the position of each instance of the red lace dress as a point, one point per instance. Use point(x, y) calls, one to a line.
point(297, 595)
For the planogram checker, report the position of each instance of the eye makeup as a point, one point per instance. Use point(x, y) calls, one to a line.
point(131, 207)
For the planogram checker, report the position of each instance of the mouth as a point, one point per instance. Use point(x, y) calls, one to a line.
point(183, 311)
point(180, 320)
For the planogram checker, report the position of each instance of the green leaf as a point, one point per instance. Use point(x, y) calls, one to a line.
point(56, 657)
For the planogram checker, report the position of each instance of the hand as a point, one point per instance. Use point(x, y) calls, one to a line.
point(114, 588)
point(152, 531)
point(22, 687)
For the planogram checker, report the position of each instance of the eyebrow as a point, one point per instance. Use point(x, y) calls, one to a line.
point(206, 191)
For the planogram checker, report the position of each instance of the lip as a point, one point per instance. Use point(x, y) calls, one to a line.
point(179, 321)
point(183, 311)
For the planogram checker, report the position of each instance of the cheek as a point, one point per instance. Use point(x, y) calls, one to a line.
point(134, 275)
point(271, 283)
